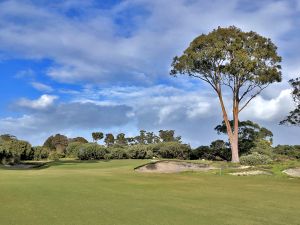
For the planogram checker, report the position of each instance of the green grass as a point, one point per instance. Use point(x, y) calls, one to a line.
point(111, 193)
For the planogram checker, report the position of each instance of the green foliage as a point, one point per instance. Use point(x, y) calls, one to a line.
point(78, 139)
point(294, 117)
point(231, 54)
point(218, 150)
point(11, 150)
point(57, 143)
point(292, 151)
point(109, 139)
point(91, 151)
point(40, 153)
point(262, 147)
point(249, 133)
point(255, 159)
point(117, 153)
point(53, 155)
point(140, 151)
point(171, 150)
point(97, 136)
point(168, 136)
point(121, 140)
point(73, 149)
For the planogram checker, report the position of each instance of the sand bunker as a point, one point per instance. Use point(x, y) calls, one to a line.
point(24, 166)
point(173, 167)
point(250, 173)
point(293, 172)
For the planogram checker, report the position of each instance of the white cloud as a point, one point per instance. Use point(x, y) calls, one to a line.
point(93, 48)
point(41, 87)
point(41, 103)
point(269, 109)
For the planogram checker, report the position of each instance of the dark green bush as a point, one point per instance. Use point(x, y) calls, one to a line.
point(90, 151)
point(73, 149)
point(262, 147)
point(292, 151)
point(117, 153)
point(40, 153)
point(11, 150)
point(255, 159)
point(171, 150)
point(139, 151)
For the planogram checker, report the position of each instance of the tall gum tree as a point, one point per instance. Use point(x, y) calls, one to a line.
point(228, 59)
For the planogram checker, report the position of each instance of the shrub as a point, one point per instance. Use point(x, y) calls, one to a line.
point(40, 152)
point(91, 151)
point(11, 150)
point(73, 149)
point(255, 159)
point(139, 151)
point(218, 150)
point(262, 147)
point(172, 150)
point(292, 151)
point(117, 153)
point(53, 155)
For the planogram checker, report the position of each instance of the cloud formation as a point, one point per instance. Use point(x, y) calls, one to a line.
point(119, 55)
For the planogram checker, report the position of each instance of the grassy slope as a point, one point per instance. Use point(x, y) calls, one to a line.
point(112, 193)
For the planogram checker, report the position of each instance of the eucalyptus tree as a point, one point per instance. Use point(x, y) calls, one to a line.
point(97, 136)
point(294, 117)
point(228, 59)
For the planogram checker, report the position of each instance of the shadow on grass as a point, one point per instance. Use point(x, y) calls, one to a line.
point(28, 165)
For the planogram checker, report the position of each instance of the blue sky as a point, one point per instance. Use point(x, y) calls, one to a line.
point(74, 67)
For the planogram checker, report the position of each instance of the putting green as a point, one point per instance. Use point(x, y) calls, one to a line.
point(111, 193)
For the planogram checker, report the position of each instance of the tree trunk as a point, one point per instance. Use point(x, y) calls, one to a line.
point(234, 146)
point(233, 136)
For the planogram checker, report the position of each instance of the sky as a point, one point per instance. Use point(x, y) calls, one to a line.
point(74, 67)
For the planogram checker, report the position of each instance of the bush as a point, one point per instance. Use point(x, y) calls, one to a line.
point(255, 159)
point(40, 153)
point(292, 151)
point(53, 155)
point(11, 150)
point(262, 147)
point(218, 150)
point(171, 150)
point(139, 151)
point(117, 153)
point(73, 149)
point(90, 151)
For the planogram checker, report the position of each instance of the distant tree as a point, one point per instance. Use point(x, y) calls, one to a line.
point(109, 139)
point(151, 138)
point(7, 137)
point(168, 136)
point(141, 139)
point(49, 144)
point(248, 133)
point(97, 136)
point(11, 150)
point(57, 143)
point(121, 140)
point(243, 62)
point(78, 139)
point(131, 140)
point(60, 142)
point(294, 117)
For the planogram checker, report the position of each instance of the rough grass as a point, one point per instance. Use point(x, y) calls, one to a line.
point(99, 192)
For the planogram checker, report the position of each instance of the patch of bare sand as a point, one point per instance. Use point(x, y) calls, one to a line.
point(295, 172)
point(250, 173)
point(173, 167)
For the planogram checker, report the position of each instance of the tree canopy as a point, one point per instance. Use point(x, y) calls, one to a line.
point(294, 116)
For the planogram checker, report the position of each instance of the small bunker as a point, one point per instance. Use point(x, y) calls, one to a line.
point(293, 172)
point(172, 167)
